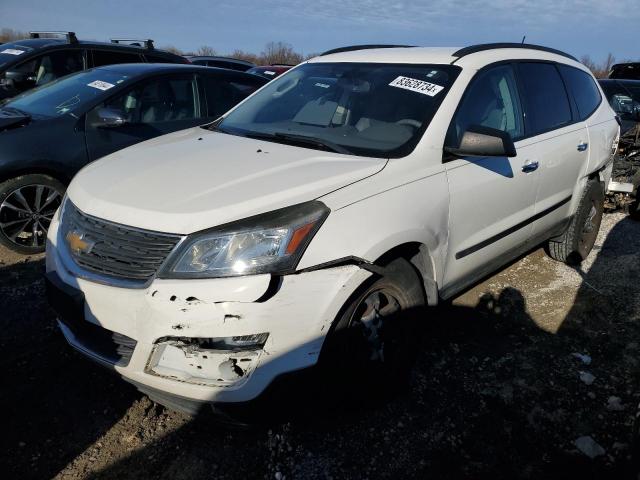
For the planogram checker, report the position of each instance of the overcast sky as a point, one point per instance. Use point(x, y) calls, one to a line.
point(577, 26)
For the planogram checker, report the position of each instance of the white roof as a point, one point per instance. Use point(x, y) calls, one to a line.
point(393, 55)
point(444, 55)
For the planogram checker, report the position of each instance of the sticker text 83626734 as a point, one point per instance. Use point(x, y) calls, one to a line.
point(415, 85)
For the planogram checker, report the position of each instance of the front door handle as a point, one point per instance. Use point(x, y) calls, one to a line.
point(530, 166)
point(582, 147)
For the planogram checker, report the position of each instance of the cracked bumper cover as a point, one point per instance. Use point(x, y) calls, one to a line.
point(296, 318)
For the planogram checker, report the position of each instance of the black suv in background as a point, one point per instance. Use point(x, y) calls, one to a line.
point(32, 62)
point(88, 115)
point(629, 71)
point(221, 62)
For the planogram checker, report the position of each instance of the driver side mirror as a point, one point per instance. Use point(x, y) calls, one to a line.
point(109, 118)
point(19, 80)
point(479, 141)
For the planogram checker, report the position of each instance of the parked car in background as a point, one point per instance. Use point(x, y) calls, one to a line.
point(33, 62)
point(624, 97)
point(624, 187)
point(49, 133)
point(629, 71)
point(270, 71)
point(313, 221)
point(221, 62)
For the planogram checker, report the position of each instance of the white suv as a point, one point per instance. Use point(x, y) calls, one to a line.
point(314, 217)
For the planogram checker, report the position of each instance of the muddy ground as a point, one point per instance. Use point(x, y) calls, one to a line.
point(498, 392)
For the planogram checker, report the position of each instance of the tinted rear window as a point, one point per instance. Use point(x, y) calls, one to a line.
point(584, 90)
point(545, 97)
point(629, 70)
point(151, 58)
point(106, 57)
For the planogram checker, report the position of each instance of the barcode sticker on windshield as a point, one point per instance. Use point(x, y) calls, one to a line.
point(12, 51)
point(100, 85)
point(269, 72)
point(415, 85)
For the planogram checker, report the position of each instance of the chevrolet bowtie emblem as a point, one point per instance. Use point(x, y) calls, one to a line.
point(78, 244)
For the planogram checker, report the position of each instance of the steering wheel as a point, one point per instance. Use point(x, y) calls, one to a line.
point(410, 122)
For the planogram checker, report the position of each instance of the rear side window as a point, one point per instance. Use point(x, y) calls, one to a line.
point(225, 92)
point(546, 103)
point(106, 57)
point(584, 90)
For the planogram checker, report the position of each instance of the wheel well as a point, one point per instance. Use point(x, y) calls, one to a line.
point(417, 254)
point(35, 171)
point(406, 251)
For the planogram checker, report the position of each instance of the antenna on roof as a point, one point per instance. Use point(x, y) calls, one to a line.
point(523, 38)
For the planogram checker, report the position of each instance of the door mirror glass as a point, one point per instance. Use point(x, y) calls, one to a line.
point(108, 118)
point(19, 80)
point(479, 141)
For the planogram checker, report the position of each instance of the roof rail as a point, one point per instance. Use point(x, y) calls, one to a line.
point(494, 46)
point(70, 36)
point(137, 42)
point(361, 47)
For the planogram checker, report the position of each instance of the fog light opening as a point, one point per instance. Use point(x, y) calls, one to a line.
point(230, 370)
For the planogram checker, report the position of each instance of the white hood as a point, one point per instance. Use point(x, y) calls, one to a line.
point(196, 179)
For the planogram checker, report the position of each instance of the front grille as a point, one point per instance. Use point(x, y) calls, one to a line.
point(112, 249)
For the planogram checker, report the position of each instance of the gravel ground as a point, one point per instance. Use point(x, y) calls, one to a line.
point(527, 375)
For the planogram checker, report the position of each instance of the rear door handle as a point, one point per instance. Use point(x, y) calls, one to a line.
point(582, 147)
point(530, 166)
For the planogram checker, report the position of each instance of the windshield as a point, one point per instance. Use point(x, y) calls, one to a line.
point(378, 110)
point(12, 51)
point(67, 94)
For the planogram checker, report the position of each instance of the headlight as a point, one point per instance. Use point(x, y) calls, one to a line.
point(269, 243)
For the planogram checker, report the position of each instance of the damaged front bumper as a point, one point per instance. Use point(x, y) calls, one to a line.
point(200, 341)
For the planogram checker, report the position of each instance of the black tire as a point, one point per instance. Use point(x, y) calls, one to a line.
point(27, 205)
point(381, 354)
point(576, 242)
point(634, 208)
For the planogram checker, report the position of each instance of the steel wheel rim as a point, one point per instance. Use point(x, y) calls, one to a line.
point(370, 318)
point(26, 214)
point(589, 225)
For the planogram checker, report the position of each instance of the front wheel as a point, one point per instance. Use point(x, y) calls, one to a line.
point(372, 340)
point(27, 206)
point(576, 242)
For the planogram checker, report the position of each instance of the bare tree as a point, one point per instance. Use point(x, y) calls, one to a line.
point(242, 55)
point(280, 52)
point(600, 70)
point(172, 49)
point(9, 35)
point(206, 51)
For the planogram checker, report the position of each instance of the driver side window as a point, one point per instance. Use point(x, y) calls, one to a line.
point(157, 101)
point(490, 101)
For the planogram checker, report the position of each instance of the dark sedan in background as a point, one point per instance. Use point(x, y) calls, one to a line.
point(49, 133)
point(221, 62)
point(270, 71)
point(32, 62)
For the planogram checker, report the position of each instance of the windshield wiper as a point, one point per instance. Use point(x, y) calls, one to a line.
point(296, 139)
point(318, 142)
point(215, 126)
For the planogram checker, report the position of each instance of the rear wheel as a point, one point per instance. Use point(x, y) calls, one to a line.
point(576, 242)
point(372, 342)
point(634, 208)
point(27, 206)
